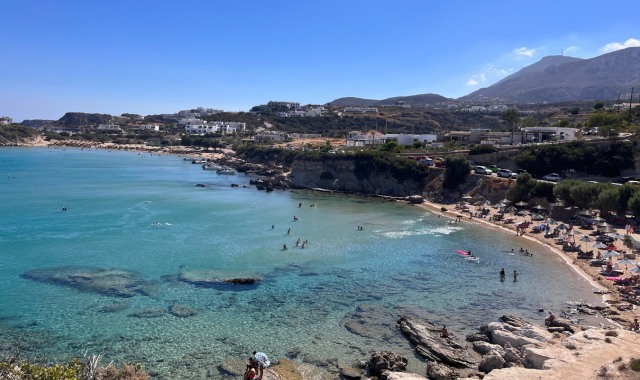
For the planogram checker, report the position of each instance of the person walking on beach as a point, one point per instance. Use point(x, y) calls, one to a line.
point(515, 275)
point(502, 274)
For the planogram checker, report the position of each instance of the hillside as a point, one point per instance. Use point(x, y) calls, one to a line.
point(412, 100)
point(559, 79)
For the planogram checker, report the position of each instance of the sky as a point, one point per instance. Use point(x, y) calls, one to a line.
point(153, 57)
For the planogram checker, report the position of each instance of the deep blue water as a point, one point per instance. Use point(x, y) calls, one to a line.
point(144, 215)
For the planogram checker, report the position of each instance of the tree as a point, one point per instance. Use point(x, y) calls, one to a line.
point(608, 199)
point(598, 106)
point(521, 191)
point(634, 204)
point(456, 172)
point(511, 116)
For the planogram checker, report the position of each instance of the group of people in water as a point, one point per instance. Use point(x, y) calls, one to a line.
point(299, 243)
point(522, 251)
point(503, 275)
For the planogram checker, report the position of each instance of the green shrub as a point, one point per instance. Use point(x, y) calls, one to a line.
point(634, 364)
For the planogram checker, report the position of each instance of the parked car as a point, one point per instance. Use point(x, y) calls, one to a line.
point(493, 168)
point(438, 162)
point(505, 173)
point(553, 177)
point(482, 170)
point(520, 171)
point(426, 161)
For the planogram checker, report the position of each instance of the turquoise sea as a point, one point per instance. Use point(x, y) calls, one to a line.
point(338, 298)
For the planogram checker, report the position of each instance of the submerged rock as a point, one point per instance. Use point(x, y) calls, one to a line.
point(217, 279)
point(148, 313)
point(114, 307)
point(182, 311)
point(111, 282)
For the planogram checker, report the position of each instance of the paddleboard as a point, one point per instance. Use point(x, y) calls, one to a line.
point(462, 252)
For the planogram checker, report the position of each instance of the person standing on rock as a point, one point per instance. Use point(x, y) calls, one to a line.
point(261, 360)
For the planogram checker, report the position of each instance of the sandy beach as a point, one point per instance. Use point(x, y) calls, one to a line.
point(611, 296)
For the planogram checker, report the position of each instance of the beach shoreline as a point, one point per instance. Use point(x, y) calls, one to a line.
point(610, 295)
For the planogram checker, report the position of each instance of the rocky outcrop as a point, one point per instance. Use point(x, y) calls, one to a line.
point(350, 176)
point(430, 345)
point(390, 375)
point(386, 361)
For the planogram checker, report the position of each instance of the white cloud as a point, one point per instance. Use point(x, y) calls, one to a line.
point(571, 50)
point(524, 52)
point(489, 72)
point(476, 79)
point(613, 46)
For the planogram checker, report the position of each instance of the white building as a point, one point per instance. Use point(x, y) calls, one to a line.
point(270, 136)
point(201, 127)
point(149, 127)
point(6, 120)
point(109, 128)
point(359, 138)
point(190, 120)
point(539, 134)
point(407, 139)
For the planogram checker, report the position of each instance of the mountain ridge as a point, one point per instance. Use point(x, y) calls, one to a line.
point(553, 79)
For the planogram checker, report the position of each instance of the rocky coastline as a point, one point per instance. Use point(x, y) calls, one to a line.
point(508, 349)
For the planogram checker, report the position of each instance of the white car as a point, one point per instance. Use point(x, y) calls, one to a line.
point(482, 170)
point(553, 177)
point(506, 173)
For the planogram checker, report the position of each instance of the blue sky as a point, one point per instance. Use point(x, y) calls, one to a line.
point(151, 57)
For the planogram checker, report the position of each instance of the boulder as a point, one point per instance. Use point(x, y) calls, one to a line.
point(484, 348)
point(502, 337)
point(415, 199)
point(390, 375)
point(385, 360)
point(438, 371)
point(351, 373)
point(513, 356)
point(491, 362)
point(515, 321)
point(477, 338)
point(564, 323)
point(430, 345)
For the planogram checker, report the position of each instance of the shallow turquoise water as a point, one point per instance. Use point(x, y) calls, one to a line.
point(403, 261)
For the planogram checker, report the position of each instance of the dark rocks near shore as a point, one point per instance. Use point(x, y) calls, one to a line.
point(384, 360)
point(217, 279)
point(434, 347)
point(110, 282)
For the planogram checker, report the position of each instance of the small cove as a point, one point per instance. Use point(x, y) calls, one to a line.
point(144, 215)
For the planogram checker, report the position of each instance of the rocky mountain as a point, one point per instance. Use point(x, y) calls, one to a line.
point(77, 119)
point(413, 100)
point(559, 79)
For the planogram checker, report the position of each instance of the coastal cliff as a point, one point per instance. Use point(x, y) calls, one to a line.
point(357, 176)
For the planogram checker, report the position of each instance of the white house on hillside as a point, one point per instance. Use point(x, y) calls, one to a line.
point(109, 128)
point(225, 127)
point(6, 120)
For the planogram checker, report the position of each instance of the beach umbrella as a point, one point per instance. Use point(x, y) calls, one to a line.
point(606, 229)
point(616, 235)
point(585, 239)
point(505, 201)
point(610, 254)
point(599, 245)
point(598, 219)
point(634, 270)
point(521, 204)
point(626, 262)
point(562, 227)
point(539, 208)
point(553, 222)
